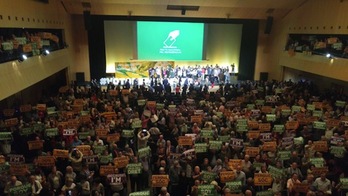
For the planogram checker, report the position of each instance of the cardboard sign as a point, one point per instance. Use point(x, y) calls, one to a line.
point(121, 162)
point(253, 124)
point(19, 170)
point(61, 153)
point(102, 133)
point(11, 122)
point(91, 160)
point(113, 137)
point(227, 176)
point(253, 134)
point(291, 125)
point(85, 149)
point(46, 161)
point(185, 141)
point(269, 146)
point(252, 151)
point(106, 170)
point(35, 145)
point(262, 179)
point(160, 180)
point(196, 119)
point(320, 146)
point(134, 168)
point(234, 163)
point(69, 132)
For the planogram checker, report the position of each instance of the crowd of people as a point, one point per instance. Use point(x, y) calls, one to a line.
point(251, 138)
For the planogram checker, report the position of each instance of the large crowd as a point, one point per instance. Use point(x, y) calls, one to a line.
point(251, 138)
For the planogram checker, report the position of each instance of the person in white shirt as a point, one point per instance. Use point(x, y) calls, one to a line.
point(322, 185)
point(36, 186)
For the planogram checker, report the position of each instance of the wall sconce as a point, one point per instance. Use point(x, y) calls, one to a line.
point(22, 58)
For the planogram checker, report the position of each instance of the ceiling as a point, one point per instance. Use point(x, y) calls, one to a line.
point(237, 9)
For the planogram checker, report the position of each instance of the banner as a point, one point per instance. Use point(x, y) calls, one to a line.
point(98, 149)
point(269, 146)
point(284, 155)
point(113, 137)
point(139, 69)
point(52, 132)
point(253, 134)
point(102, 133)
point(11, 122)
point(69, 132)
point(242, 128)
point(265, 193)
point(253, 124)
point(317, 171)
point(338, 151)
point(292, 125)
point(136, 123)
point(160, 180)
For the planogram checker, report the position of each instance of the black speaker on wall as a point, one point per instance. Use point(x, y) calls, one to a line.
point(87, 20)
point(269, 23)
point(264, 76)
point(80, 78)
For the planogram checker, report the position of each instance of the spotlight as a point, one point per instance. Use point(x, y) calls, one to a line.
point(328, 55)
point(22, 58)
point(46, 52)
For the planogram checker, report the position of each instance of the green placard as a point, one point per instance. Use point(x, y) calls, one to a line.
point(241, 122)
point(136, 123)
point(257, 165)
point(209, 176)
point(242, 128)
point(21, 40)
point(286, 112)
point(215, 145)
point(51, 132)
point(270, 117)
point(144, 152)
point(317, 162)
point(98, 149)
point(265, 193)
point(5, 136)
point(340, 103)
point(260, 88)
point(234, 186)
point(219, 114)
point(84, 113)
point(319, 125)
point(298, 140)
point(83, 135)
point(159, 106)
point(51, 110)
point(278, 91)
point(26, 131)
point(284, 155)
point(4, 168)
point(127, 133)
point(317, 113)
point(295, 108)
point(201, 147)
point(278, 128)
point(207, 134)
point(250, 106)
point(140, 193)
point(260, 102)
point(224, 138)
point(344, 183)
point(338, 151)
point(141, 102)
point(310, 107)
point(134, 168)
point(105, 159)
point(38, 127)
point(7, 46)
point(207, 190)
point(275, 172)
point(21, 190)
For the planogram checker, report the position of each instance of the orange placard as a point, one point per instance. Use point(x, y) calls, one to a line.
point(253, 134)
point(332, 123)
point(77, 108)
point(11, 122)
point(113, 137)
point(318, 105)
point(265, 126)
point(25, 108)
point(113, 92)
point(196, 119)
point(262, 179)
point(27, 48)
point(125, 91)
point(291, 125)
point(78, 102)
point(253, 124)
point(85, 119)
point(102, 133)
point(46, 161)
point(35, 145)
point(107, 169)
point(41, 107)
point(301, 187)
point(151, 104)
point(19, 170)
point(252, 151)
point(317, 171)
point(160, 180)
point(121, 162)
point(85, 149)
point(185, 141)
point(320, 146)
point(269, 146)
point(227, 176)
point(233, 163)
point(8, 112)
point(60, 153)
point(266, 109)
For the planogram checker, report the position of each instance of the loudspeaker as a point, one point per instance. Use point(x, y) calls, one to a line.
point(269, 23)
point(87, 20)
point(263, 76)
point(80, 78)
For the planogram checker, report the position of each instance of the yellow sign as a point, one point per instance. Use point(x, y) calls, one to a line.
point(262, 179)
point(160, 180)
